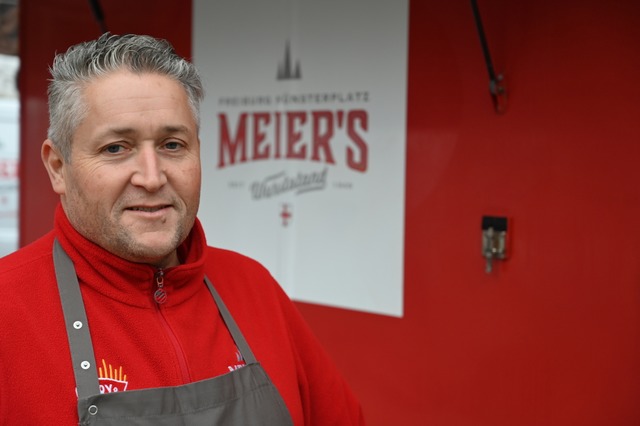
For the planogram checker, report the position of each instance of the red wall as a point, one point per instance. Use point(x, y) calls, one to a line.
point(553, 335)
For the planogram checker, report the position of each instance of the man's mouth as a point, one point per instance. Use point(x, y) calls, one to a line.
point(147, 209)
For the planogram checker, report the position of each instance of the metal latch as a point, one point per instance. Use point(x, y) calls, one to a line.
point(494, 240)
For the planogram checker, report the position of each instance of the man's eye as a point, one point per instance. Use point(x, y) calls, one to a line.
point(113, 149)
point(172, 145)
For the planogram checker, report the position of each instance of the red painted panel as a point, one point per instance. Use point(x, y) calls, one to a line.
point(553, 336)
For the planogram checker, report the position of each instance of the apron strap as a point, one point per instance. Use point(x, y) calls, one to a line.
point(75, 319)
point(237, 335)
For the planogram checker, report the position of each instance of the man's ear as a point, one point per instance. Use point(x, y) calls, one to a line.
point(53, 162)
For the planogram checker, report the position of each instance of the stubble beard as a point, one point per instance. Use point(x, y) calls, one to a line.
point(122, 241)
point(124, 244)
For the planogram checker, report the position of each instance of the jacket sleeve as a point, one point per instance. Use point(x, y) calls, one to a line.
point(308, 380)
point(325, 395)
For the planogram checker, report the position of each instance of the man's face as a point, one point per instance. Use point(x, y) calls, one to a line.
point(133, 183)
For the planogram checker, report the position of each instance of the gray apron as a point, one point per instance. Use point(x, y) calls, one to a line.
point(244, 396)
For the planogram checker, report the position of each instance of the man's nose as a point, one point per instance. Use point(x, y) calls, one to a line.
point(149, 173)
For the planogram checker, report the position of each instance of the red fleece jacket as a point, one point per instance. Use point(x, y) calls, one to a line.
point(139, 344)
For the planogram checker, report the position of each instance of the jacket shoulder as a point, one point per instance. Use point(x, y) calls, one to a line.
point(223, 261)
point(27, 260)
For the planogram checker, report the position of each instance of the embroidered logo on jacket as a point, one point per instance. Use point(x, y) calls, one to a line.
point(111, 379)
point(240, 362)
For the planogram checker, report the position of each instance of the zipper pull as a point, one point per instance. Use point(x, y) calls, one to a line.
point(160, 295)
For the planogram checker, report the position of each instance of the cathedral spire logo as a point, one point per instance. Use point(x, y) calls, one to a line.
point(286, 69)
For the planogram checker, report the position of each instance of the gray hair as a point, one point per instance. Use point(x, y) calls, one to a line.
point(80, 64)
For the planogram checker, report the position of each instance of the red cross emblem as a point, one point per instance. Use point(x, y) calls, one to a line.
point(285, 214)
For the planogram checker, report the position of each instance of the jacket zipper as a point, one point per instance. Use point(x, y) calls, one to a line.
point(160, 297)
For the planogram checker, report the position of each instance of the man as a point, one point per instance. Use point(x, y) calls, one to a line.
point(122, 314)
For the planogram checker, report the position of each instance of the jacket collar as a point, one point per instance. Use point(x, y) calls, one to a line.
point(129, 282)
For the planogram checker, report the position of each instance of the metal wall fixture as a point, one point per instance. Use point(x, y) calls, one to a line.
point(494, 240)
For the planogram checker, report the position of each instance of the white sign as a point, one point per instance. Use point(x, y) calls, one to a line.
point(303, 143)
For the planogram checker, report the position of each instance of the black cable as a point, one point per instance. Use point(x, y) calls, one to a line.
point(496, 84)
point(483, 40)
point(97, 13)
